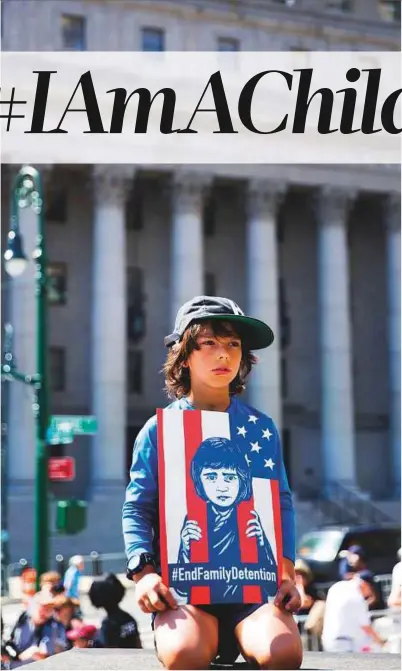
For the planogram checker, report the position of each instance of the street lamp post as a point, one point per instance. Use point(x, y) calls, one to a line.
point(27, 191)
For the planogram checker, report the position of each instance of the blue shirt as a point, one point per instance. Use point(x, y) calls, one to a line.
point(71, 582)
point(141, 506)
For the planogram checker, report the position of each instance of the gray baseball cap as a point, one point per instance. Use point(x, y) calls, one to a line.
point(206, 308)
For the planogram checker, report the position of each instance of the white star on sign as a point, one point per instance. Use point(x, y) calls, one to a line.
point(268, 463)
point(255, 447)
point(241, 431)
point(252, 418)
point(247, 459)
point(267, 434)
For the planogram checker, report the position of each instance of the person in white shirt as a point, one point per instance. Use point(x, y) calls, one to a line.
point(394, 599)
point(347, 625)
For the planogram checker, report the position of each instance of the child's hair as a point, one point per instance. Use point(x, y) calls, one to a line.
point(177, 376)
point(106, 592)
point(221, 453)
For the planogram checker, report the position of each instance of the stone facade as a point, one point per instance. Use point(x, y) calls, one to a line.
point(311, 249)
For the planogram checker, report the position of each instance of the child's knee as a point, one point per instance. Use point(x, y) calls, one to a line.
point(287, 657)
point(186, 657)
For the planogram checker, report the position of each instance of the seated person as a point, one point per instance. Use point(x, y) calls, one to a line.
point(64, 612)
point(118, 628)
point(305, 586)
point(36, 634)
point(48, 581)
point(394, 599)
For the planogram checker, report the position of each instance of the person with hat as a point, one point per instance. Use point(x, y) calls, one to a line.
point(82, 636)
point(65, 610)
point(352, 561)
point(37, 634)
point(210, 354)
point(305, 585)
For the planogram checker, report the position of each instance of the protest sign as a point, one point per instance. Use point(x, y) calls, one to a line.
point(220, 525)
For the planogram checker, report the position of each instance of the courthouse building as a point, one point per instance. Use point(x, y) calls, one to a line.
point(313, 250)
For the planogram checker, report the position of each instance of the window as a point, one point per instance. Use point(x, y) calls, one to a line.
point(135, 371)
point(134, 209)
point(153, 39)
point(228, 44)
point(73, 32)
point(284, 377)
point(56, 205)
point(57, 368)
point(284, 315)
point(57, 283)
point(210, 284)
point(339, 5)
point(135, 304)
point(390, 10)
point(208, 217)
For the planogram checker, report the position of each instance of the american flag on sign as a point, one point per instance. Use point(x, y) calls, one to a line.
point(220, 523)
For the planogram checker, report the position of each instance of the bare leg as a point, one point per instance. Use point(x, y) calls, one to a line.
point(186, 638)
point(269, 638)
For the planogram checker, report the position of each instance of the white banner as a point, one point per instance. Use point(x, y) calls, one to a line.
point(201, 107)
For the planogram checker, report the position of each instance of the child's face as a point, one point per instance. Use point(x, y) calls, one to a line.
point(221, 485)
point(217, 361)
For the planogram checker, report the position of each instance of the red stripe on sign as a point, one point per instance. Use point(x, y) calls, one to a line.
point(276, 507)
point(162, 493)
point(196, 507)
point(252, 594)
point(248, 548)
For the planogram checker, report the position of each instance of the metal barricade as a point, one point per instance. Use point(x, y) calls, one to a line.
point(99, 563)
point(385, 583)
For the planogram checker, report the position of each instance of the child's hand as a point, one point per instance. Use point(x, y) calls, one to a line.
point(288, 596)
point(153, 595)
point(254, 528)
point(190, 532)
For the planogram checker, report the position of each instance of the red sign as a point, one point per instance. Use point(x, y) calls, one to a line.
point(61, 468)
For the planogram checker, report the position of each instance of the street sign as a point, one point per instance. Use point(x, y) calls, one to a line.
point(61, 468)
point(78, 424)
point(62, 434)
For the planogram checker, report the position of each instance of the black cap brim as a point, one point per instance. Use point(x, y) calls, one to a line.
point(256, 332)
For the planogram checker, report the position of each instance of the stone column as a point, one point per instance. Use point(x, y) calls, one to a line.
point(392, 207)
point(109, 331)
point(263, 200)
point(337, 403)
point(187, 244)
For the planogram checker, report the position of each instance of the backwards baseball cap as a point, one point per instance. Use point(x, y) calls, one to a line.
point(206, 308)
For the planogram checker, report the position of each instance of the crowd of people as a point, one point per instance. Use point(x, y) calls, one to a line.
point(52, 620)
point(340, 619)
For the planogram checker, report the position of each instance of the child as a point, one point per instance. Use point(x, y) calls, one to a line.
point(222, 479)
point(118, 628)
point(209, 358)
